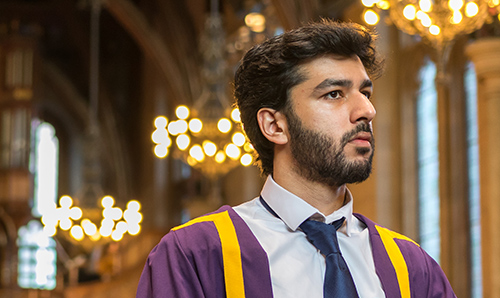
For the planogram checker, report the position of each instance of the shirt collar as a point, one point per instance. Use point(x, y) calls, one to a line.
point(293, 210)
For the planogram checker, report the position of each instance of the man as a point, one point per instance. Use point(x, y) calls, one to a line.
point(304, 99)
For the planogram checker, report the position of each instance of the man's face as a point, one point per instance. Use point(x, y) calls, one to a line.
point(329, 121)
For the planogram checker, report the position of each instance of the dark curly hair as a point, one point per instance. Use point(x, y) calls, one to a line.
point(269, 70)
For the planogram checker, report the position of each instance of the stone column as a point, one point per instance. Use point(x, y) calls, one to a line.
point(485, 55)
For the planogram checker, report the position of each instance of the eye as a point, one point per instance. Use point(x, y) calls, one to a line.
point(367, 94)
point(334, 94)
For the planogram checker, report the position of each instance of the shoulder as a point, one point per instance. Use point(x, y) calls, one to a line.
point(399, 258)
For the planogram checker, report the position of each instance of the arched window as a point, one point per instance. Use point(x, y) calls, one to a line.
point(473, 171)
point(45, 168)
point(428, 162)
point(37, 252)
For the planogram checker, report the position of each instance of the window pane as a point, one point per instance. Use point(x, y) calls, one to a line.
point(473, 161)
point(428, 162)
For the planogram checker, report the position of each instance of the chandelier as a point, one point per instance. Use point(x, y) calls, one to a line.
point(437, 21)
point(207, 136)
point(92, 217)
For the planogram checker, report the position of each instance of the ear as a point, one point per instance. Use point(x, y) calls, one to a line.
point(273, 125)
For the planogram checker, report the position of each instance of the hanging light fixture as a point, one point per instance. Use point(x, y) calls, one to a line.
point(92, 216)
point(437, 21)
point(207, 136)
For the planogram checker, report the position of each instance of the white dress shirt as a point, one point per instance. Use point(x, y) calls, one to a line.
point(297, 267)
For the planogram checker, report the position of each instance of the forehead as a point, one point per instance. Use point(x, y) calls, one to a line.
point(333, 66)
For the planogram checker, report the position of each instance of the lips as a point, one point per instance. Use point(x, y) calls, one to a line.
point(362, 138)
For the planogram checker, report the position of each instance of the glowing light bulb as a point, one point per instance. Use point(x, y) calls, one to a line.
point(434, 30)
point(77, 233)
point(425, 5)
point(371, 17)
point(471, 9)
point(409, 12)
point(220, 157)
point(161, 122)
point(455, 4)
point(456, 18)
point(224, 125)
point(182, 141)
point(233, 151)
point(246, 159)
point(210, 148)
point(107, 201)
point(238, 139)
point(197, 153)
point(236, 115)
point(161, 151)
point(182, 112)
point(195, 125)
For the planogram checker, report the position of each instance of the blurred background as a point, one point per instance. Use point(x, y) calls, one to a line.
point(116, 124)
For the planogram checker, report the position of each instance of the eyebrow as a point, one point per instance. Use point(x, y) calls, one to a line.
point(341, 83)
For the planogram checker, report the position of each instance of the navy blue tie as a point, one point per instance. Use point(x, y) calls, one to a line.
point(338, 280)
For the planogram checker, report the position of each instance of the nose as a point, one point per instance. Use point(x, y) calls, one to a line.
point(362, 109)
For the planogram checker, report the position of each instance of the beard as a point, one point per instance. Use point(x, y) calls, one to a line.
point(320, 158)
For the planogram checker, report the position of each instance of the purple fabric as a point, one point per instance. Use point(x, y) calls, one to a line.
point(427, 279)
point(188, 263)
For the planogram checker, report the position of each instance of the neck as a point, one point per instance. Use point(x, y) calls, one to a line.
point(323, 197)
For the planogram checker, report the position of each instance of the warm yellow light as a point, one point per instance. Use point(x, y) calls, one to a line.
point(181, 126)
point(409, 12)
point(77, 233)
point(383, 4)
point(248, 147)
point(471, 9)
point(197, 153)
point(368, 3)
point(160, 136)
point(236, 115)
point(134, 229)
point(95, 237)
point(238, 139)
point(107, 201)
point(224, 125)
point(255, 21)
point(161, 122)
point(233, 151)
point(456, 18)
point(434, 30)
point(161, 151)
point(49, 231)
point(425, 5)
point(493, 3)
point(65, 224)
point(89, 227)
point(371, 17)
point(65, 201)
point(195, 125)
point(172, 128)
point(122, 227)
point(246, 159)
point(220, 157)
point(191, 161)
point(182, 112)
point(182, 141)
point(424, 18)
point(455, 4)
point(210, 148)
point(75, 213)
point(116, 235)
point(112, 213)
point(134, 205)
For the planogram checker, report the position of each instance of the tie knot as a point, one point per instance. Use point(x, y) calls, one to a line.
point(323, 236)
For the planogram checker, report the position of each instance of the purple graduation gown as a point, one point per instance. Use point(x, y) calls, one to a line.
point(217, 255)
